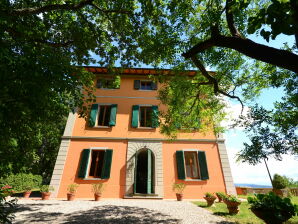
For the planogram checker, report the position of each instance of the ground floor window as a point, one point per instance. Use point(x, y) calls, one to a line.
point(96, 166)
point(192, 164)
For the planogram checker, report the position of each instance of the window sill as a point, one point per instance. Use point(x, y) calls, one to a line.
point(92, 179)
point(104, 127)
point(146, 90)
point(149, 128)
point(192, 180)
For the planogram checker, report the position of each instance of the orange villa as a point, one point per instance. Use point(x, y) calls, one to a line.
point(120, 144)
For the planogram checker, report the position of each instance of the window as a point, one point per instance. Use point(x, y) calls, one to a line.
point(108, 83)
point(145, 116)
point(96, 166)
point(192, 165)
point(95, 163)
point(103, 115)
point(145, 85)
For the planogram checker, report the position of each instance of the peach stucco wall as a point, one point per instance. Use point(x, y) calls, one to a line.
point(115, 185)
point(194, 189)
point(123, 127)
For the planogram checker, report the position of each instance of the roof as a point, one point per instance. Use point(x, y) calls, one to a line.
point(136, 71)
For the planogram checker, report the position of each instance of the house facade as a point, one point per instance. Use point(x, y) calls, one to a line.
point(120, 144)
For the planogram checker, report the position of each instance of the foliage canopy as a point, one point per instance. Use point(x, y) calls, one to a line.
point(44, 43)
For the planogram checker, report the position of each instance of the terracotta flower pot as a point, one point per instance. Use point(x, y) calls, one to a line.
point(26, 194)
point(70, 196)
point(179, 197)
point(45, 195)
point(97, 196)
point(210, 201)
point(232, 206)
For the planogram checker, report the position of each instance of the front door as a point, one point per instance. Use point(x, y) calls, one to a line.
point(144, 171)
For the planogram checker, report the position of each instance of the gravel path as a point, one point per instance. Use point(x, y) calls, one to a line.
point(113, 211)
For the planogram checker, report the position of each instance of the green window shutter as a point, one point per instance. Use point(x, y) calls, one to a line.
point(107, 162)
point(203, 165)
point(84, 163)
point(93, 114)
point(155, 121)
point(180, 165)
point(112, 121)
point(137, 84)
point(135, 116)
point(153, 85)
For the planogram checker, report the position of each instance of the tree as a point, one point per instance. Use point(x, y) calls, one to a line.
point(44, 43)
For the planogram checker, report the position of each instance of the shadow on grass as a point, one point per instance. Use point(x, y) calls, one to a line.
point(108, 214)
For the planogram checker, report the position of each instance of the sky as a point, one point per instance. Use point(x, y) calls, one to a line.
point(243, 172)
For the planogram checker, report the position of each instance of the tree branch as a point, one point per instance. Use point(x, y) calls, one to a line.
point(66, 6)
point(213, 81)
point(230, 19)
point(277, 57)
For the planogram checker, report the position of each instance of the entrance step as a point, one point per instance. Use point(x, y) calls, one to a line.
point(142, 196)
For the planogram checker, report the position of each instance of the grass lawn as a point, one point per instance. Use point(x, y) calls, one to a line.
point(245, 216)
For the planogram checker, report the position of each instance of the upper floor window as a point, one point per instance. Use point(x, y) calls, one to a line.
point(108, 83)
point(103, 115)
point(145, 85)
point(145, 116)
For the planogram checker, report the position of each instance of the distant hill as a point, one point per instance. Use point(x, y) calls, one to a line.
point(253, 185)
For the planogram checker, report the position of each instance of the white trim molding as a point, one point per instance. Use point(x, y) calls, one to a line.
point(62, 154)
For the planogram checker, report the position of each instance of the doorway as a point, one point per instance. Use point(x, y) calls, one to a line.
point(144, 172)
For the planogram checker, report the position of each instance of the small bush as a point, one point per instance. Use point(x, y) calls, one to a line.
point(273, 206)
point(46, 188)
point(22, 181)
point(220, 195)
point(97, 188)
point(231, 198)
point(179, 187)
point(279, 182)
point(72, 188)
point(209, 195)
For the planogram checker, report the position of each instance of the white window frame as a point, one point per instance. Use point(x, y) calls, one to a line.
point(89, 162)
point(97, 115)
point(143, 105)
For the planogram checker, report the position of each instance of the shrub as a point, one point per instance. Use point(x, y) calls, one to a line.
point(231, 198)
point(72, 188)
point(209, 195)
point(220, 195)
point(46, 188)
point(7, 208)
point(179, 187)
point(273, 206)
point(97, 188)
point(279, 182)
point(22, 181)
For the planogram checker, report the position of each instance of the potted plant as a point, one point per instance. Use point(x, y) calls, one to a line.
point(46, 191)
point(7, 190)
point(179, 188)
point(27, 188)
point(271, 208)
point(279, 183)
point(220, 196)
point(72, 189)
point(232, 203)
point(97, 189)
point(210, 198)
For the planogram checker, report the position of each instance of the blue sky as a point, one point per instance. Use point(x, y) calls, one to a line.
point(242, 172)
